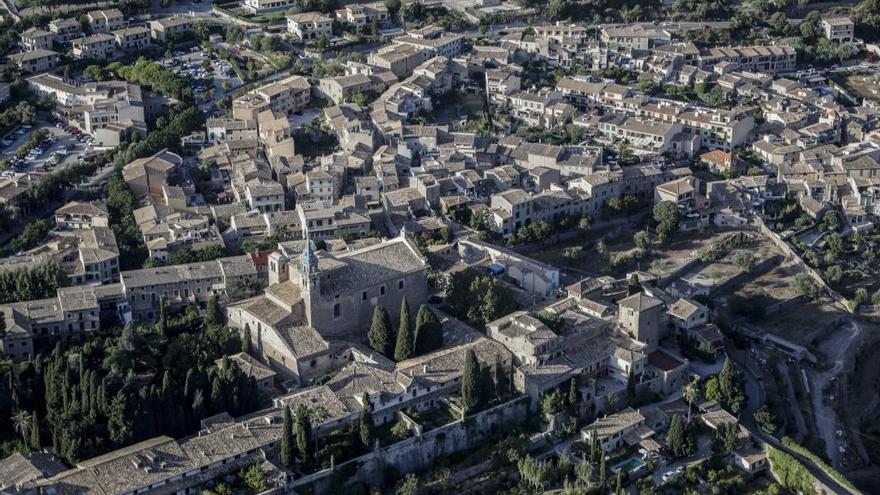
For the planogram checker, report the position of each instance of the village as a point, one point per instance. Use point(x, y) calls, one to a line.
point(283, 247)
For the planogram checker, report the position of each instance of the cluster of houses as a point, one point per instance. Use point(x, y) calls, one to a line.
point(105, 35)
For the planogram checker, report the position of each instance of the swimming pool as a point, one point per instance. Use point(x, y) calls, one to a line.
point(630, 465)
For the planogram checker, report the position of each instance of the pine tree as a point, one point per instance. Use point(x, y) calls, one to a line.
point(366, 423)
point(405, 347)
point(379, 335)
point(304, 433)
point(471, 388)
point(213, 313)
point(429, 331)
point(287, 439)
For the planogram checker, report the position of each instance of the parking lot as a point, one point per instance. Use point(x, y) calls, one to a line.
point(61, 148)
point(190, 66)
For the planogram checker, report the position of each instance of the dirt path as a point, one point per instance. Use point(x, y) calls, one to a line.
point(836, 348)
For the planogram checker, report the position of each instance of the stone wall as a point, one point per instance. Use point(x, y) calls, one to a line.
point(420, 451)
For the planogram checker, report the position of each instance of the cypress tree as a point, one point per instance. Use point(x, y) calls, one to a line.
point(573, 395)
point(471, 387)
point(287, 439)
point(199, 411)
point(35, 442)
point(602, 470)
point(162, 324)
point(594, 446)
point(500, 378)
point(405, 347)
point(618, 490)
point(366, 424)
point(213, 313)
point(304, 433)
point(379, 336)
point(429, 331)
point(675, 437)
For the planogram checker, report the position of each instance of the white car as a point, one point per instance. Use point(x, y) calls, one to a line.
point(668, 475)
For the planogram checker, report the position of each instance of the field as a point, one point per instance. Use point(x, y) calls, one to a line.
point(865, 85)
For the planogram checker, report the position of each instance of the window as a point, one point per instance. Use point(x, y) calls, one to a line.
point(364, 296)
point(400, 284)
point(337, 310)
point(382, 290)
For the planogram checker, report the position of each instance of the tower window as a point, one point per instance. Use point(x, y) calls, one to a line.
point(400, 284)
point(382, 290)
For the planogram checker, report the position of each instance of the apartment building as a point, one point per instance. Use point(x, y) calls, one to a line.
point(220, 130)
point(264, 195)
point(644, 135)
point(310, 26)
point(401, 60)
point(35, 61)
point(132, 38)
point(180, 285)
point(163, 30)
point(105, 21)
point(342, 88)
point(436, 45)
point(37, 39)
point(98, 46)
point(324, 220)
point(65, 29)
point(763, 59)
point(283, 97)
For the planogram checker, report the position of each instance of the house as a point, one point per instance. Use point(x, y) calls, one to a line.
point(79, 215)
point(147, 176)
point(687, 314)
point(261, 6)
point(641, 316)
point(839, 29)
point(310, 26)
point(751, 459)
point(361, 16)
point(720, 161)
point(610, 430)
